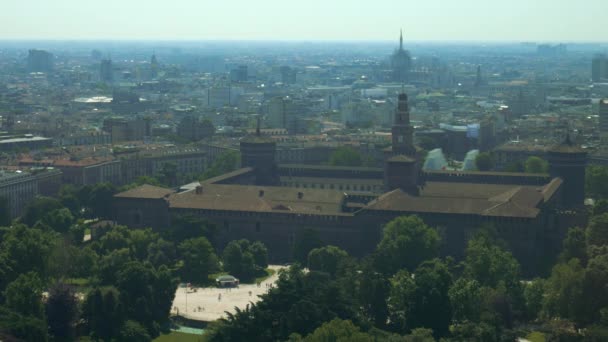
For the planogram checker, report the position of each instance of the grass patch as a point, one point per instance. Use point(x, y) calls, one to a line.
point(536, 336)
point(175, 336)
point(82, 282)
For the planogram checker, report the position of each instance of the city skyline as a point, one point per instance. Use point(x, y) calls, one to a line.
point(470, 20)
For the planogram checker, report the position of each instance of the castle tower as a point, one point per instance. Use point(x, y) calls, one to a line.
point(568, 161)
point(259, 153)
point(402, 131)
point(401, 167)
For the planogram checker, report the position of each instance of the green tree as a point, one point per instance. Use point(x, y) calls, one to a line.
point(574, 246)
point(68, 196)
point(465, 298)
point(597, 230)
point(372, 294)
point(564, 291)
point(103, 313)
point(226, 162)
point(26, 328)
point(24, 249)
point(61, 312)
point(238, 259)
point(260, 254)
point(400, 300)
point(326, 259)
point(111, 263)
point(339, 331)
point(60, 220)
point(100, 200)
point(420, 335)
point(346, 156)
point(596, 181)
point(595, 290)
point(430, 307)
point(484, 162)
point(135, 332)
point(600, 207)
point(39, 208)
point(533, 294)
point(406, 242)
point(306, 240)
point(536, 165)
point(24, 295)
point(489, 263)
point(199, 259)
point(162, 252)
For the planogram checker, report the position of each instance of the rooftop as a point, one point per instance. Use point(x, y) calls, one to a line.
point(146, 191)
point(260, 198)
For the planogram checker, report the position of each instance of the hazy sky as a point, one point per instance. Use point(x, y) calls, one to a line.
point(516, 20)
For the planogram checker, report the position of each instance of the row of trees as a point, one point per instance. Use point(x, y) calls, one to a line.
point(405, 292)
point(118, 287)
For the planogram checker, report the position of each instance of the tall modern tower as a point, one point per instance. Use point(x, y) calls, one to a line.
point(599, 68)
point(401, 63)
point(106, 73)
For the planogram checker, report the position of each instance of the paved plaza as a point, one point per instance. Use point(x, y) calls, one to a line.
point(209, 304)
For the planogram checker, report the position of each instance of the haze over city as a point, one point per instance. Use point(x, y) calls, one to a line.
point(433, 20)
point(313, 171)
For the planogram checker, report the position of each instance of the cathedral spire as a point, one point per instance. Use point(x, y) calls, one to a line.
point(401, 39)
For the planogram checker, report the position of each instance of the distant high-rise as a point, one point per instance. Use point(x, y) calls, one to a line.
point(239, 74)
point(288, 75)
point(401, 63)
point(599, 68)
point(478, 78)
point(39, 61)
point(106, 73)
point(603, 114)
point(153, 66)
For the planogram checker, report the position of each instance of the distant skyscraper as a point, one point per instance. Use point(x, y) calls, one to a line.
point(106, 73)
point(401, 63)
point(478, 78)
point(39, 61)
point(603, 114)
point(288, 75)
point(599, 68)
point(239, 74)
point(153, 66)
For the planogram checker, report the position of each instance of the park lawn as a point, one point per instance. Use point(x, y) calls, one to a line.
point(536, 336)
point(175, 336)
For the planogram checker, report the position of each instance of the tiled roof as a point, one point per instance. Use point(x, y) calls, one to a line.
point(145, 191)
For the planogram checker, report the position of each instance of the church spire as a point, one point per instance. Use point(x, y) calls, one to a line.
point(401, 39)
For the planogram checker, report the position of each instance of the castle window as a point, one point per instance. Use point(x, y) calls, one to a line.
point(226, 226)
point(258, 227)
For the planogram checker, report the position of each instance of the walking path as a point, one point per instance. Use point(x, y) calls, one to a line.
point(210, 303)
